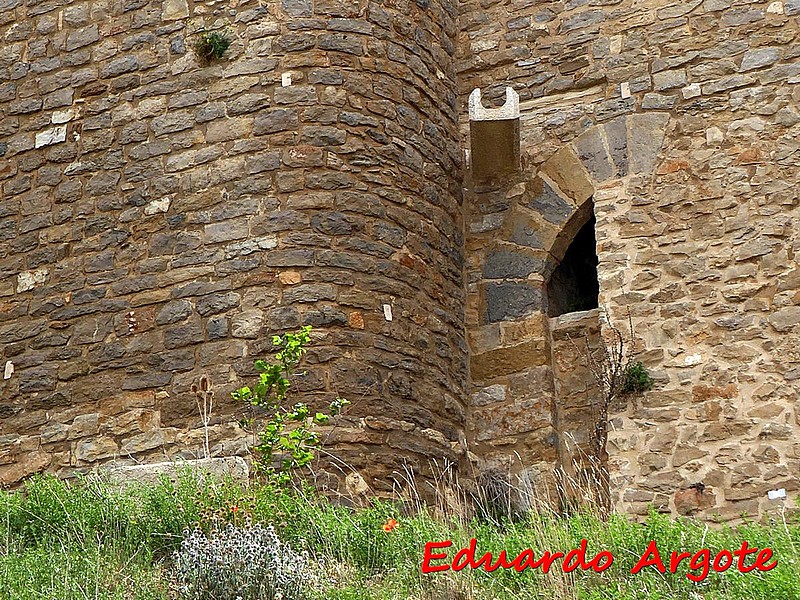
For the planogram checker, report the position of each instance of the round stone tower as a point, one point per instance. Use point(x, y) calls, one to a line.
point(162, 218)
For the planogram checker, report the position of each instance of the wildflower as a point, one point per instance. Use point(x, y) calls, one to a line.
point(389, 525)
point(234, 509)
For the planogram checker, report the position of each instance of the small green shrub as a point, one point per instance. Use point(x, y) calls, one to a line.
point(211, 45)
point(288, 434)
point(636, 379)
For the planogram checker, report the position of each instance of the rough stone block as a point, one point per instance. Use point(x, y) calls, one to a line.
point(309, 293)
point(296, 94)
point(785, 319)
point(503, 420)
point(646, 136)
point(224, 130)
point(51, 136)
point(759, 58)
point(298, 8)
point(82, 37)
point(172, 10)
point(512, 359)
point(94, 449)
point(274, 121)
point(489, 395)
point(28, 280)
point(547, 202)
point(341, 42)
point(183, 335)
point(247, 324)
point(582, 19)
point(233, 229)
point(566, 171)
point(591, 149)
point(511, 264)
point(234, 467)
point(323, 136)
point(653, 101)
point(508, 301)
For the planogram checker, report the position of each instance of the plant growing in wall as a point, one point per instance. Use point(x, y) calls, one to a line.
point(636, 379)
point(287, 436)
point(611, 361)
point(211, 45)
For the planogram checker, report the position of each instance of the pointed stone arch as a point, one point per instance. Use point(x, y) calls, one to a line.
point(514, 343)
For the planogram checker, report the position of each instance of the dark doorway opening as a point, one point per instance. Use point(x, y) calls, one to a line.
point(574, 285)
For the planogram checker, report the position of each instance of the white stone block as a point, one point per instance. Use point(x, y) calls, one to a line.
point(775, 8)
point(51, 136)
point(62, 116)
point(172, 10)
point(157, 206)
point(776, 494)
point(691, 91)
point(693, 359)
point(27, 280)
point(615, 44)
point(714, 135)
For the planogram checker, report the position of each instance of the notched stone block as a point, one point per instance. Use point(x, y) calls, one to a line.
point(494, 137)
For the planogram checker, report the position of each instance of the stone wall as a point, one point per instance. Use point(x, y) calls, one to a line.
point(161, 219)
point(681, 121)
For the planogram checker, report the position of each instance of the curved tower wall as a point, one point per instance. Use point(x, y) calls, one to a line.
point(161, 219)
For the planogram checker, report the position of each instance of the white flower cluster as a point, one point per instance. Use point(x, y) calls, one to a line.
point(240, 563)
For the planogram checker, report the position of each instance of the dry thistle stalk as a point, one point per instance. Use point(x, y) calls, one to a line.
point(204, 397)
point(608, 360)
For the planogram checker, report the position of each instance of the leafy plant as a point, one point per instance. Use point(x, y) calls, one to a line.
point(211, 45)
point(288, 433)
point(636, 379)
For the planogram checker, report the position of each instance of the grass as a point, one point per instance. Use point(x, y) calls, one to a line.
point(86, 539)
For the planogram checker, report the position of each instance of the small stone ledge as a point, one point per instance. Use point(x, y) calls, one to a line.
point(234, 467)
point(572, 320)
